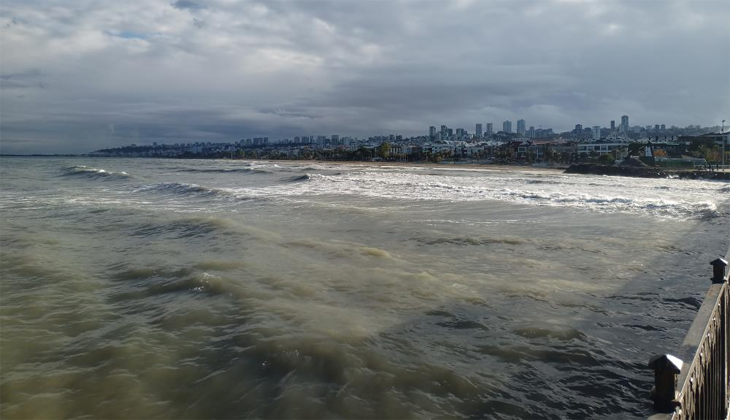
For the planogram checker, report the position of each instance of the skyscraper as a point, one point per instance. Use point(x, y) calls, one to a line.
point(443, 131)
point(613, 125)
point(490, 129)
point(596, 132)
point(578, 130)
point(625, 124)
point(479, 130)
point(521, 127)
point(507, 126)
point(432, 132)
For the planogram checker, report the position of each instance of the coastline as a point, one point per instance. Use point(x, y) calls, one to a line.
point(469, 166)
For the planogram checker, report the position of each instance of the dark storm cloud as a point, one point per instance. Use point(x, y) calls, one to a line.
point(85, 74)
point(186, 4)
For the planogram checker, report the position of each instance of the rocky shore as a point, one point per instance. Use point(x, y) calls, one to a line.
point(633, 171)
point(643, 172)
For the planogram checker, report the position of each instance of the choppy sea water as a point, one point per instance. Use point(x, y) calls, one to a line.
point(143, 288)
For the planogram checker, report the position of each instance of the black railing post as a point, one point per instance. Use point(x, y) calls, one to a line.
point(666, 368)
point(718, 270)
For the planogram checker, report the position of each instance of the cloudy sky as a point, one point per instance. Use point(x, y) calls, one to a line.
point(80, 75)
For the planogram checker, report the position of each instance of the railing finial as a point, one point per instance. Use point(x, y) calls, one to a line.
point(666, 368)
point(718, 270)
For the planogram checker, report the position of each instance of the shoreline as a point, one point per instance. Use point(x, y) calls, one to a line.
point(469, 166)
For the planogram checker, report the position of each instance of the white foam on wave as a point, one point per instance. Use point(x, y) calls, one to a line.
point(89, 172)
point(184, 189)
point(664, 198)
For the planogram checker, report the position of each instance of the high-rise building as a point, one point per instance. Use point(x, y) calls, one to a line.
point(335, 138)
point(624, 124)
point(432, 132)
point(578, 129)
point(479, 130)
point(531, 132)
point(656, 127)
point(596, 132)
point(443, 131)
point(459, 132)
point(490, 129)
point(663, 127)
point(507, 126)
point(613, 125)
point(521, 127)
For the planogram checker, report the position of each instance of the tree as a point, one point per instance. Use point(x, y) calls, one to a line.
point(383, 150)
point(711, 154)
point(551, 155)
point(635, 148)
point(606, 159)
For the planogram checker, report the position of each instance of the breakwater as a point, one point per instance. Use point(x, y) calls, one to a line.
point(644, 172)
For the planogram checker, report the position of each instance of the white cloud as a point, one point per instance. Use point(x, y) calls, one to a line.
point(223, 69)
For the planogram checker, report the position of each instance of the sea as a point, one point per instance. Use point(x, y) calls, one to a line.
point(153, 288)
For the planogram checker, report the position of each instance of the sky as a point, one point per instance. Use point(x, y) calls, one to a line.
point(81, 75)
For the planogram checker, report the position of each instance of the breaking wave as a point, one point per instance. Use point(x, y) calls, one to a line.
point(183, 189)
point(682, 201)
point(226, 170)
point(299, 178)
point(607, 204)
point(88, 172)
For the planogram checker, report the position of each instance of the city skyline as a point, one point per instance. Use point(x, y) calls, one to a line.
point(83, 75)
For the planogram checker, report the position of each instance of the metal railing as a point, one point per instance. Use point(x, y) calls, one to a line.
point(710, 167)
point(694, 383)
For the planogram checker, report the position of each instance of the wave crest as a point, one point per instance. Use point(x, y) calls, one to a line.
point(183, 189)
point(299, 178)
point(225, 170)
point(82, 171)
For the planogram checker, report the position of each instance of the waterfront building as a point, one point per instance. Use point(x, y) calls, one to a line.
point(507, 126)
point(618, 149)
point(521, 127)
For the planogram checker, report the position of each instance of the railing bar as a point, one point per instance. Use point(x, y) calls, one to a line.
point(711, 367)
point(715, 363)
point(726, 355)
point(697, 380)
point(716, 357)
